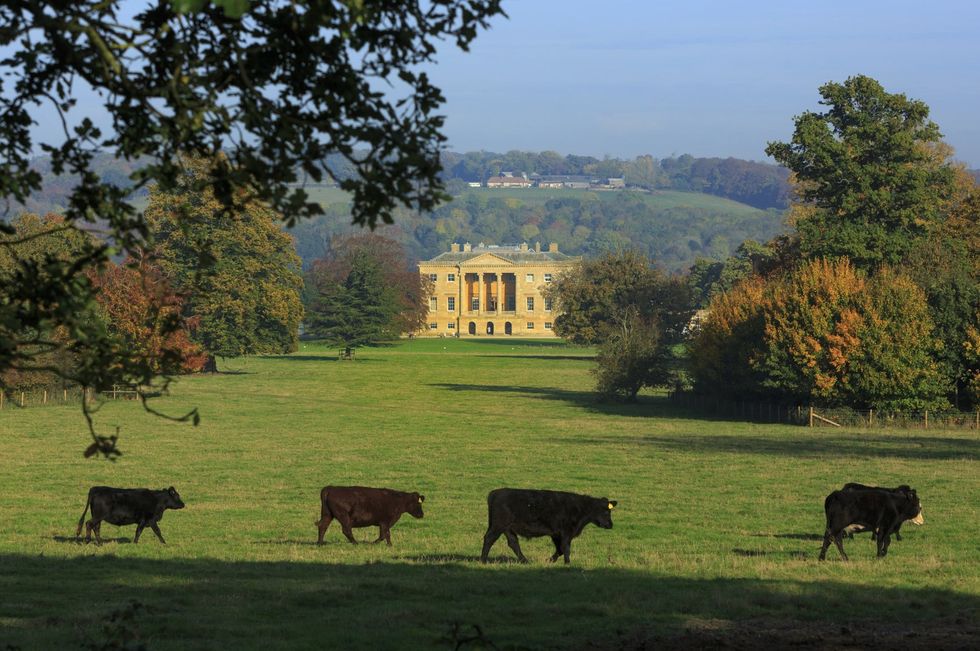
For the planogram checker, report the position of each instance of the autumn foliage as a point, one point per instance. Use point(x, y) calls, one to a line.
point(141, 307)
point(825, 333)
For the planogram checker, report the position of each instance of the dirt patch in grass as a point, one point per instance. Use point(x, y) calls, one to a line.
point(959, 632)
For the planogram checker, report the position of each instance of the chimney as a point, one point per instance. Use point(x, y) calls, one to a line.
point(553, 247)
point(537, 247)
point(466, 247)
point(523, 246)
point(454, 248)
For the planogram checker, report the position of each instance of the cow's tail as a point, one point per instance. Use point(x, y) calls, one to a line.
point(81, 520)
point(324, 509)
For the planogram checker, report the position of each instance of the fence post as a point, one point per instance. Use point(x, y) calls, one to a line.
point(45, 400)
point(65, 397)
point(1, 401)
point(978, 411)
point(811, 416)
point(927, 419)
point(871, 418)
point(21, 398)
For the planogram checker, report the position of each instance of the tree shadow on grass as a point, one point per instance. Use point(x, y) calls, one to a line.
point(47, 602)
point(573, 358)
point(804, 446)
point(322, 358)
point(645, 406)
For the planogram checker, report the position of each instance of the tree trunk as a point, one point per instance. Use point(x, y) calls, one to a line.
point(210, 365)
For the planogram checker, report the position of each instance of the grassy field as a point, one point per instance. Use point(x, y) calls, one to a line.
point(662, 199)
point(718, 525)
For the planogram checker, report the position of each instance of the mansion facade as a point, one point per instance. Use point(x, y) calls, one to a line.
point(489, 291)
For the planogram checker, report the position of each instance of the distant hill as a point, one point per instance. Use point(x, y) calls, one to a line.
point(672, 227)
point(683, 214)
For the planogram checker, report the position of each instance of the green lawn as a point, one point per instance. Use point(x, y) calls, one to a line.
point(718, 523)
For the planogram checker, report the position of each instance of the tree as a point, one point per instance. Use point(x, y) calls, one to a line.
point(356, 311)
point(827, 333)
point(410, 289)
point(871, 172)
point(276, 86)
point(141, 308)
point(632, 310)
point(238, 271)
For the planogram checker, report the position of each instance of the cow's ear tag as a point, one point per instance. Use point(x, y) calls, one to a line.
point(421, 499)
point(611, 506)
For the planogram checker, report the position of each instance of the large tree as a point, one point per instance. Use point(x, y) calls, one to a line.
point(632, 310)
point(410, 289)
point(239, 272)
point(277, 86)
point(355, 310)
point(871, 173)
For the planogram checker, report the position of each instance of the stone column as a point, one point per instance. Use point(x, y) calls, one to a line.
point(500, 293)
point(483, 305)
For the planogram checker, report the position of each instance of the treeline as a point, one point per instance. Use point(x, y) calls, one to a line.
point(871, 301)
point(673, 232)
point(756, 184)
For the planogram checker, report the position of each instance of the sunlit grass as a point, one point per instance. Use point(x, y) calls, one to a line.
point(716, 519)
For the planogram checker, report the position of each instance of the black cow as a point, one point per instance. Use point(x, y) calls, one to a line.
point(878, 510)
point(531, 513)
point(857, 528)
point(121, 506)
point(361, 506)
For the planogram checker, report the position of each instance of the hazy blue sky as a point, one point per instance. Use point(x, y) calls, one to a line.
point(710, 78)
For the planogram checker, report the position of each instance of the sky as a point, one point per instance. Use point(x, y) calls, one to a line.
point(623, 78)
point(709, 78)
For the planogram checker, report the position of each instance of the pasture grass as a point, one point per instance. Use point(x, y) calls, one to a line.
point(718, 521)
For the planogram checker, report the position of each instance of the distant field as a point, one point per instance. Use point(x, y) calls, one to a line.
point(663, 199)
point(717, 530)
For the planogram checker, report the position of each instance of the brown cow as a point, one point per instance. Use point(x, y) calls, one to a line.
point(361, 506)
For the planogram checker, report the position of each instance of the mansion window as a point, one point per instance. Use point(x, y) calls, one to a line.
point(433, 304)
point(475, 303)
point(451, 303)
point(451, 325)
point(530, 303)
point(433, 277)
point(451, 278)
point(530, 326)
point(433, 326)
point(547, 325)
point(529, 278)
point(547, 278)
point(547, 304)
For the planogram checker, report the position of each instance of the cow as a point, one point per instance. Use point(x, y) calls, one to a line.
point(122, 506)
point(530, 513)
point(362, 506)
point(878, 510)
point(857, 528)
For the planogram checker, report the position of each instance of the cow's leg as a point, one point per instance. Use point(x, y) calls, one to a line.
point(515, 545)
point(384, 533)
point(489, 538)
point(839, 542)
point(345, 525)
point(97, 528)
point(566, 548)
point(883, 541)
point(88, 531)
point(139, 530)
point(826, 544)
point(325, 519)
point(556, 539)
point(156, 530)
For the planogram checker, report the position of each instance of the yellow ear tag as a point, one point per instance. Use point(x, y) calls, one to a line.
point(420, 500)
point(611, 507)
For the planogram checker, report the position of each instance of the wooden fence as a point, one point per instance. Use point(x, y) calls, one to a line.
point(60, 395)
point(811, 416)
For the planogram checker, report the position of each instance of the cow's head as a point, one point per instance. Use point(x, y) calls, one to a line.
point(603, 513)
point(171, 500)
point(415, 505)
point(912, 509)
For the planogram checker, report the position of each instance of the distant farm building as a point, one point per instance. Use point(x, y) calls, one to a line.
point(493, 290)
point(508, 180)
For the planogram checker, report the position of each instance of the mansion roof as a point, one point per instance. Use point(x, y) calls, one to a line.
point(514, 254)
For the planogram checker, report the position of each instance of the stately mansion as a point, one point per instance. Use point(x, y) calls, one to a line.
point(492, 290)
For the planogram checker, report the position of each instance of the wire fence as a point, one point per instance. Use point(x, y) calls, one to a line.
point(45, 397)
point(813, 416)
